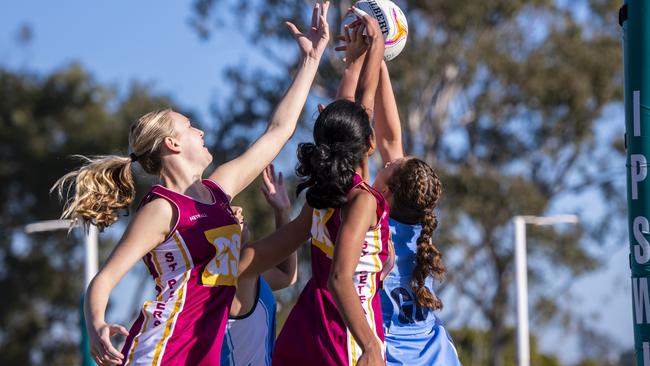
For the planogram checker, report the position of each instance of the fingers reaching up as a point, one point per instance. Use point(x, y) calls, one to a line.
point(313, 43)
point(274, 190)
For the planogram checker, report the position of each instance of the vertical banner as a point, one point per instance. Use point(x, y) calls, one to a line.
point(634, 17)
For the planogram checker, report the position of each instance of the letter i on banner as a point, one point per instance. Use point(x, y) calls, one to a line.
point(636, 111)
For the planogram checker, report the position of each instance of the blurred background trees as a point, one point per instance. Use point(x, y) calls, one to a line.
point(45, 120)
point(507, 99)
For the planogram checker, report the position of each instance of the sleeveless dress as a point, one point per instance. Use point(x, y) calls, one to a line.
point(314, 333)
point(414, 335)
point(195, 271)
point(250, 337)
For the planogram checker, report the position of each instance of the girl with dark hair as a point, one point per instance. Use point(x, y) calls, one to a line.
point(337, 318)
point(349, 235)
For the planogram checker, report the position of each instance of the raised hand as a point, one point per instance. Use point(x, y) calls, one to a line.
point(355, 46)
point(274, 190)
point(313, 43)
point(373, 36)
point(101, 348)
point(369, 78)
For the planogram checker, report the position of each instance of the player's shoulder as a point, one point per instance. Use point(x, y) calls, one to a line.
point(158, 209)
point(361, 194)
point(360, 199)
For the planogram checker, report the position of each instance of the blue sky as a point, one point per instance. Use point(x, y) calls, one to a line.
point(119, 41)
point(151, 41)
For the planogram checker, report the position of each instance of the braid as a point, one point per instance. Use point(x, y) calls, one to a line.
point(428, 263)
point(416, 189)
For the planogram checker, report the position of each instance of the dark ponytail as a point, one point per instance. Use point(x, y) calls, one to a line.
point(341, 135)
point(416, 190)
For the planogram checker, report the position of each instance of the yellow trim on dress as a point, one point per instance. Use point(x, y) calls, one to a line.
point(177, 305)
point(136, 339)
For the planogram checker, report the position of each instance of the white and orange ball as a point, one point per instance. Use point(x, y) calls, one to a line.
point(392, 23)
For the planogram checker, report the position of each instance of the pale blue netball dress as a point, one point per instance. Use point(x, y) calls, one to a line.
point(249, 338)
point(414, 335)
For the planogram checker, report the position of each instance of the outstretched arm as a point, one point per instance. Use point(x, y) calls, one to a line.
point(284, 274)
point(369, 78)
point(238, 173)
point(261, 255)
point(388, 131)
point(355, 48)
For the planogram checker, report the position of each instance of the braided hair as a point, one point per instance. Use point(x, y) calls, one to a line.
point(416, 189)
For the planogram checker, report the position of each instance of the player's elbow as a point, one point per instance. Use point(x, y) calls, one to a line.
point(281, 282)
point(281, 131)
point(336, 282)
point(246, 268)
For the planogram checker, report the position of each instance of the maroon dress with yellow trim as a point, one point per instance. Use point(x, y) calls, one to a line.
point(314, 333)
point(195, 271)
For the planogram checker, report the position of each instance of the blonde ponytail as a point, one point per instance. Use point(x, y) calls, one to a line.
point(102, 187)
point(104, 184)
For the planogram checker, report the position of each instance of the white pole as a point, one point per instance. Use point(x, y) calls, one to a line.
point(523, 346)
point(91, 254)
point(90, 242)
point(48, 225)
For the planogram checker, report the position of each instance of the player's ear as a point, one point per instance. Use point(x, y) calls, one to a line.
point(372, 143)
point(171, 144)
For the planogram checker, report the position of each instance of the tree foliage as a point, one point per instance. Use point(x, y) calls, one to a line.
point(473, 348)
point(45, 120)
point(505, 98)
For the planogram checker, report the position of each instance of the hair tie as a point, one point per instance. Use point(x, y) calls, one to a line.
point(133, 157)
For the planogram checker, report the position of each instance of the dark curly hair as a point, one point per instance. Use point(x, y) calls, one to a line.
point(416, 190)
point(341, 135)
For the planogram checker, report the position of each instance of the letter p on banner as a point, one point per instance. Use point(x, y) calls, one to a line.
point(638, 172)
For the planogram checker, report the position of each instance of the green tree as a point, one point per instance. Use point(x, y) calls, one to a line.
point(474, 349)
point(504, 98)
point(44, 121)
point(626, 358)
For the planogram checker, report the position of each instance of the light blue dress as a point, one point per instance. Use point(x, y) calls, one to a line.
point(249, 338)
point(414, 335)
